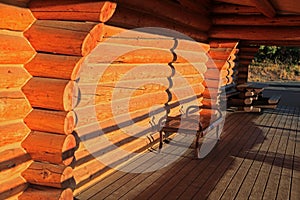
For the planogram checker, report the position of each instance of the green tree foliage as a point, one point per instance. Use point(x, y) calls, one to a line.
point(288, 56)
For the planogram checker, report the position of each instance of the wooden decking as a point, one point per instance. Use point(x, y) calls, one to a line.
point(258, 158)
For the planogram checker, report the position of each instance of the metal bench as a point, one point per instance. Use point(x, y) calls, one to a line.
point(192, 122)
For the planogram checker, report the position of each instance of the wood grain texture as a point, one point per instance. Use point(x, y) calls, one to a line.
point(78, 10)
point(64, 37)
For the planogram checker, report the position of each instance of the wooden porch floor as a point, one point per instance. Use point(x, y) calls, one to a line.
point(258, 157)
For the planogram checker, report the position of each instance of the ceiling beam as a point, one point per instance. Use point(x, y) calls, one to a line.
point(265, 7)
point(234, 9)
point(193, 6)
point(238, 2)
point(259, 33)
point(254, 20)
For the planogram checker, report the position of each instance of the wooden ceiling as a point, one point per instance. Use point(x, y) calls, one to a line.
point(251, 21)
point(274, 22)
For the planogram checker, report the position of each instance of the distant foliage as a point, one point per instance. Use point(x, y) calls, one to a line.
point(273, 63)
point(288, 56)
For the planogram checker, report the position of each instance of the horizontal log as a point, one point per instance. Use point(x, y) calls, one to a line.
point(220, 64)
point(51, 121)
point(216, 74)
point(249, 20)
point(292, 43)
point(252, 109)
point(211, 94)
point(50, 147)
point(136, 106)
point(150, 39)
point(127, 18)
point(237, 2)
point(13, 105)
point(12, 156)
point(265, 7)
point(234, 9)
point(106, 110)
point(15, 18)
point(228, 54)
point(244, 62)
point(89, 174)
point(87, 126)
point(14, 48)
point(69, 10)
point(146, 55)
point(13, 76)
point(193, 6)
point(129, 91)
point(46, 193)
point(51, 175)
point(227, 43)
point(243, 56)
point(64, 37)
point(142, 73)
point(210, 103)
point(12, 186)
point(243, 75)
point(54, 66)
point(169, 11)
point(49, 93)
point(243, 68)
point(17, 128)
point(255, 33)
point(249, 49)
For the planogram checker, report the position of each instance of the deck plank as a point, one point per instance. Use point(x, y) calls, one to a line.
point(221, 187)
point(260, 185)
point(166, 180)
point(258, 157)
point(284, 186)
point(295, 191)
point(176, 186)
point(276, 169)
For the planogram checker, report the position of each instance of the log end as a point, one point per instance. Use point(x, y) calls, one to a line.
point(94, 36)
point(69, 124)
point(71, 96)
point(107, 11)
point(68, 149)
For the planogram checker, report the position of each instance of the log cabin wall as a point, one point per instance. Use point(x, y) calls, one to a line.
point(44, 46)
point(163, 56)
point(50, 59)
point(15, 51)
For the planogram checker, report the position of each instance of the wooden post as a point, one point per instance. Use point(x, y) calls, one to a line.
point(46, 174)
point(64, 37)
point(78, 10)
point(51, 121)
point(49, 93)
point(54, 66)
point(50, 147)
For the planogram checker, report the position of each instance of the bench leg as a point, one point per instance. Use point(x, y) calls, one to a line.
point(197, 146)
point(217, 132)
point(161, 140)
